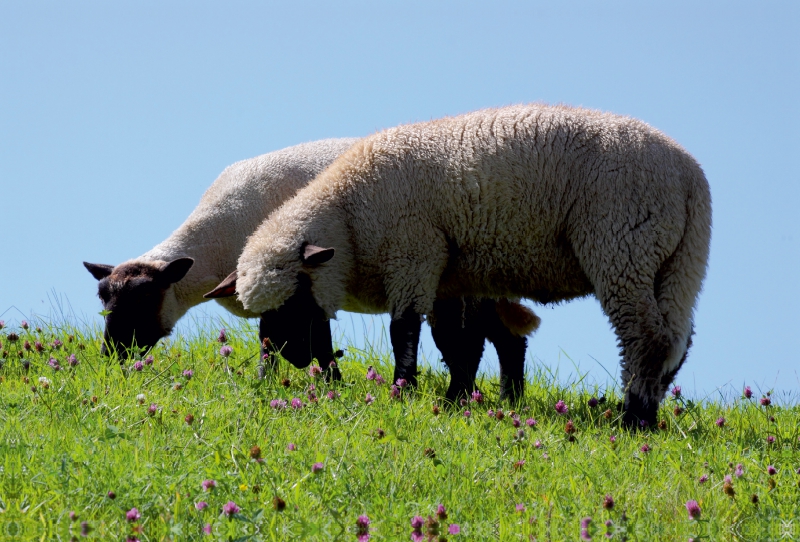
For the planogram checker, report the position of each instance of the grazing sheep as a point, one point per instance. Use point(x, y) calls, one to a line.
point(146, 296)
point(545, 202)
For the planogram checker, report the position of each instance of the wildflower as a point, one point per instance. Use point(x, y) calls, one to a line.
point(369, 399)
point(38, 346)
point(772, 471)
point(499, 415)
point(467, 413)
point(111, 495)
point(454, 528)
point(561, 407)
point(152, 409)
point(27, 346)
point(316, 467)
point(720, 422)
point(441, 513)
point(223, 337)
point(694, 509)
point(754, 498)
point(765, 401)
point(24, 324)
point(435, 410)
point(569, 428)
point(592, 402)
point(52, 362)
point(530, 422)
point(417, 522)
point(333, 395)
point(148, 360)
point(314, 371)
point(255, 452)
point(537, 444)
point(230, 508)
point(703, 479)
point(748, 393)
point(312, 397)
point(645, 448)
point(362, 524)
point(515, 422)
point(608, 414)
point(677, 411)
point(676, 391)
point(277, 404)
point(727, 487)
point(371, 373)
point(85, 528)
point(585, 522)
point(133, 515)
point(612, 439)
point(12, 337)
point(291, 447)
point(490, 413)
point(477, 397)
point(770, 439)
point(520, 508)
point(2, 324)
point(201, 505)
point(225, 351)
point(208, 485)
point(739, 472)
point(643, 423)
point(395, 392)
point(207, 528)
point(72, 360)
point(608, 502)
point(297, 403)
point(188, 374)
point(662, 424)
point(545, 456)
point(44, 382)
point(519, 464)
point(401, 383)
point(278, 503)
point(73, 516)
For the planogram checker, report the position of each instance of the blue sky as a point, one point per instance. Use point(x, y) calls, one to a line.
point(115, 117)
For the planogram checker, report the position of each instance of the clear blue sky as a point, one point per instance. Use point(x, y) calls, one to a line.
point(115, 116)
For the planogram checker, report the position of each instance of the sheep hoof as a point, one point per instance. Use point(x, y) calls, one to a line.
point(639, 413)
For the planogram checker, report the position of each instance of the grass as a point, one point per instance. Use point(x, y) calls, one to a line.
point(99, 427)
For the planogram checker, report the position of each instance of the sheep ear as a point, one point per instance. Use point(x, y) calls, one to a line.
point(176, 270)
point(226, 288)
point(98, 270)
point(314, 255)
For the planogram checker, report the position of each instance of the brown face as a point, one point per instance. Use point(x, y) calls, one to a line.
point(133, 295)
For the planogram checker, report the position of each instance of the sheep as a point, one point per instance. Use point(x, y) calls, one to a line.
point(147, 295)
point(549, 203)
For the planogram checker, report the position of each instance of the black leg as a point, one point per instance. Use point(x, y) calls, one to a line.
point(322, 348)
point(460, 341)
point(510, 352)
point(639, 413)
point(404, 334)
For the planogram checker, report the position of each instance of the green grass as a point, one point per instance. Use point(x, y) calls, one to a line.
point(66, 444)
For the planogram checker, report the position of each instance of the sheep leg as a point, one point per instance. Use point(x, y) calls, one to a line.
point(460, 340)
point(404, 334)
point(510, 352)
point(322, 349)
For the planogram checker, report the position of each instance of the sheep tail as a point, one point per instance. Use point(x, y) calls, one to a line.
point(518, 318)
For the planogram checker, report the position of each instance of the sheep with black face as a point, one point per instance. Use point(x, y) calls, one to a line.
point(548, 203)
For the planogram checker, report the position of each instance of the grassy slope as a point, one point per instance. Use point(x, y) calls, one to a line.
point(65, 446)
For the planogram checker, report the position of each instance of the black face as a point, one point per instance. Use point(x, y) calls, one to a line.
point(133, 295)
point(297, 326)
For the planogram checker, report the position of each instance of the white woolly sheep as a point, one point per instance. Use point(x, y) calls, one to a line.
point(545, 202)
point(147, 295)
